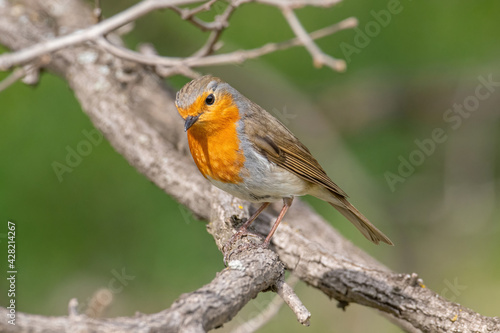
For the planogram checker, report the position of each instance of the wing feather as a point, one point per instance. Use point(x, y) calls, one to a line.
point(285, 150)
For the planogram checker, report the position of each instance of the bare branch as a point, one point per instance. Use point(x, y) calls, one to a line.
point(189, 15)
point(319, 57)
point(223, 22)
point(292, 300)
point(96, 32)
point(180, 70)
point(300, 3)
point(204, 309)
point(29, 74)
point(15, 76)
point(269, 312)
point(97, 12)
point(21, 57)
point(73, 307)
point(148, 49)
point(220, 59)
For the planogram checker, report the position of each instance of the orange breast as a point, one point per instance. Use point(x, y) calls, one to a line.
point(216, 149)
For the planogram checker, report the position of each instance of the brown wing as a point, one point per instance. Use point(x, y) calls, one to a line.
point(280, 146)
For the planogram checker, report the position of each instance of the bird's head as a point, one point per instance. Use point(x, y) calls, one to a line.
point(207, 104)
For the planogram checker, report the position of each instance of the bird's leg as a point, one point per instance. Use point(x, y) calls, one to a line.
point(287, 202)
point(242, 230)
point(252, 218)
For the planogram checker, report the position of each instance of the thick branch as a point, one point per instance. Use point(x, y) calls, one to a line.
point(199, 311)
point(136, 113)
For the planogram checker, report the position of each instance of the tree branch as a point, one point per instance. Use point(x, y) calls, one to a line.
point(97, 32)
point(15, 76)
point(137, 115)
point(189, 15)
point(90, 33)
point(319, 58)
point(199, 311)
point(272, 309)
point(223, 22)
point(219, 59)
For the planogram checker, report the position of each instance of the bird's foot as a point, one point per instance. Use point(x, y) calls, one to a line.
point(228, 249)
point(265, 244)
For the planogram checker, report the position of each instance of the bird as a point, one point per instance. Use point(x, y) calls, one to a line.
point(245, 151)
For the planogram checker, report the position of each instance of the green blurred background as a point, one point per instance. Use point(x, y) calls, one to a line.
point(104, 218)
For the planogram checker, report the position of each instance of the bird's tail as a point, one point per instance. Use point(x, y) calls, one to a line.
point(361, 222)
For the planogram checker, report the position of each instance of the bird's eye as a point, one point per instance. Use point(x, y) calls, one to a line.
point(210, 99)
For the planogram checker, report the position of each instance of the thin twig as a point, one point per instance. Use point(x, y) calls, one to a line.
point(348, 23)
point(292, 300)
point(15, 76)
point(164, 71)
point(265, 316)
point(179, 70)
point(95, 33)
point(319, 57)
point(300, 3)
point(223, 21)
point(23, 56)
point(32, 72)
point(29, 74)
point(189, 15)
point(219, 59)
point(73, 308)
point(97, 11)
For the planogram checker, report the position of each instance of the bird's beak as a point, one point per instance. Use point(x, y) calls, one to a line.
point(190, 120)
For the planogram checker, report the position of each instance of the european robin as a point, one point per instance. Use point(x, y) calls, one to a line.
point(240, 148)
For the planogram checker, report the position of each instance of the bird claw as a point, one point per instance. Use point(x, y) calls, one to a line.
point(235, 237)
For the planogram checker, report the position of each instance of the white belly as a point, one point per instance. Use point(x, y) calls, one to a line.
point(263, 181)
